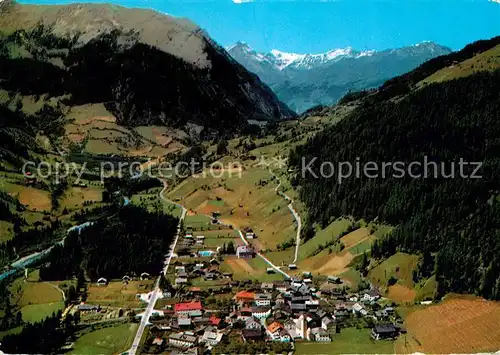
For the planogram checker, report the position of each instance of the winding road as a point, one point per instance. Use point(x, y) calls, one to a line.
point(294, 213)
point(157, 292)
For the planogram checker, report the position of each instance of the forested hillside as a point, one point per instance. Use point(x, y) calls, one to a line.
point(132, 241)
point(454, 222)
point(138, 83)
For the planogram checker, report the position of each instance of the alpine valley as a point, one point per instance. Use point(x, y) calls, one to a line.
point(303, 81)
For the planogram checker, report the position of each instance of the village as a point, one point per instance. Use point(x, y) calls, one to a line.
point(203, 309)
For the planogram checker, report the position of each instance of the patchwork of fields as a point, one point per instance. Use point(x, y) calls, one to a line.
point(463, 324)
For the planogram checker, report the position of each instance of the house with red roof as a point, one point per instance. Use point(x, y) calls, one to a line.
point(193, 309)
point(215, 321)
point(245, 297)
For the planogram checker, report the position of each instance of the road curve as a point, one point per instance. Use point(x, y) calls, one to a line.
point(156, 291)
point(294, 214)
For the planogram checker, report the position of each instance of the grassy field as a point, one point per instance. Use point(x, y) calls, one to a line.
point(349, 341)
point(33, 293)
point(15, 330)
point(117, 294)
point(427, 289)
point(487, 61)
point(218, 237)
point(75, 196)
point(6, 231)
point(198, 222)
point(248, 269)
point(36, 300)
point(110, 340)
point(34, 199)
point(399, 266)
point(332, 261)
point(323, 236)
point(460, 324)
point(248, 200)
point(36, 312)
point(352, 277)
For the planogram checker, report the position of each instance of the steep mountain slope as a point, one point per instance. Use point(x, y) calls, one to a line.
point(306, 80)
point(147, 68)
point(427, 162)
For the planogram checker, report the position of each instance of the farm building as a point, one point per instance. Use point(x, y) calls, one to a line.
point(250, 235)
point(292, 266)
point(384, 332)
point(88, 308)
point(334, 280)
point(245, 251)
point(102, 281)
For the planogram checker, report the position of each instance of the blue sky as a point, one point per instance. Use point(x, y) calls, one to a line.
point(317, 26)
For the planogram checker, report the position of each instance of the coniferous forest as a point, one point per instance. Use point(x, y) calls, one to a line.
point(454, 222)
point(132, 241)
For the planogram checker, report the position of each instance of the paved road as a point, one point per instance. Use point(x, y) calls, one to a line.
point(262, 256)
point(294, 213)
point(157, 292)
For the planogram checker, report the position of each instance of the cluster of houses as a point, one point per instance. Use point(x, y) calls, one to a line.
point(280, 311)
point(208, 270)
point(197, 241)
point(102, 281)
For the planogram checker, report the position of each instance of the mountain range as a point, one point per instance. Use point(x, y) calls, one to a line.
point(306, 80)
point(147, 67)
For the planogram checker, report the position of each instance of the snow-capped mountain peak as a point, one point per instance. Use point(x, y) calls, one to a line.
point(306, 80)
point(307, 61)
point(281, 60)
point(284, 59)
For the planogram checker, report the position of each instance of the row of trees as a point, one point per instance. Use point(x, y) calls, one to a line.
point(451, 215)
point(44, 337)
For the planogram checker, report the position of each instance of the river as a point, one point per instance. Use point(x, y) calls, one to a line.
point(32, 258)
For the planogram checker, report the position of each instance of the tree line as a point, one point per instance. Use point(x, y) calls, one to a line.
point(454, 222)
point(131, 241)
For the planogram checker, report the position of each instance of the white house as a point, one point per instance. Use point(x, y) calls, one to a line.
point(182, 339)
point(263, 299)
point(211, 338)
point(102, 281)
point(318, 334)
point(261, 312)
point(245, 251)
point(252, 323)
point(327, 322)
point(370, 296)
point(250, 235)
point(300, 330)
point(357, 308)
